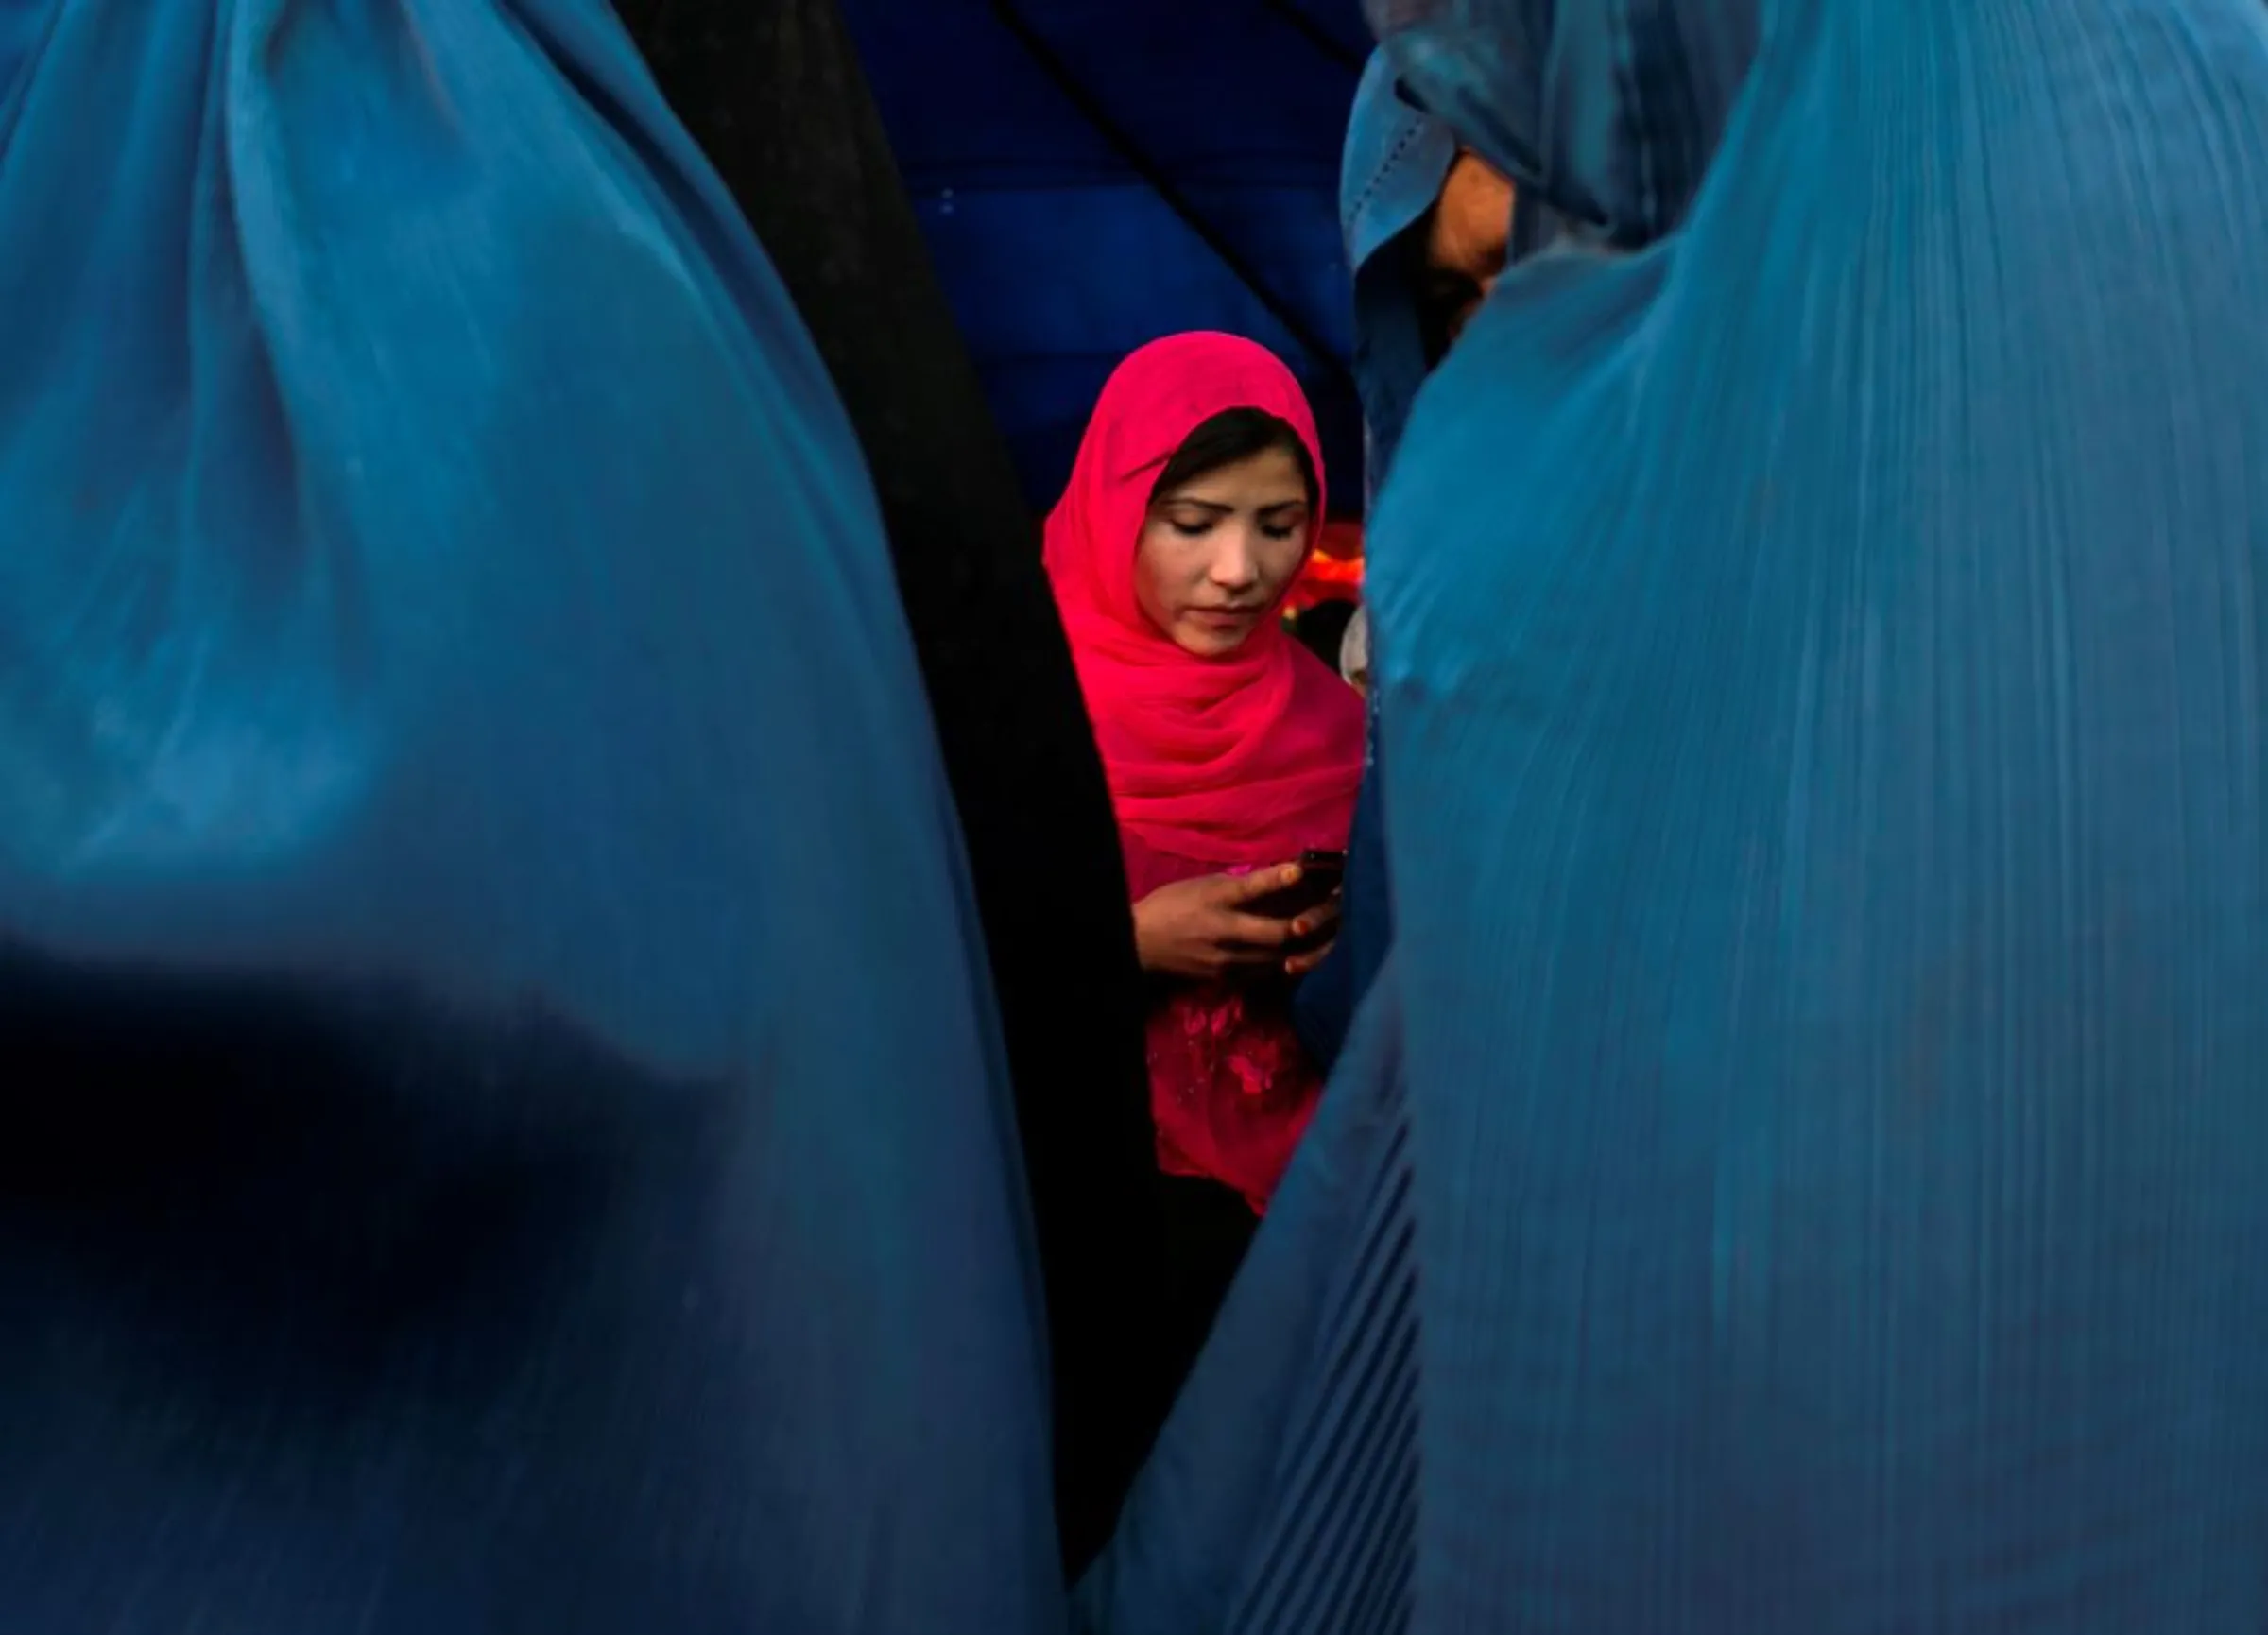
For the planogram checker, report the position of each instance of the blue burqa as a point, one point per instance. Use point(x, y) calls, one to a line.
point(1396, 161)
point(1804, 1169)
point(466, 801)
point(1396, 158)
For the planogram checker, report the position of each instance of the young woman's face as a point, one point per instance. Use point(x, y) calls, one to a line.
point(1218, 554)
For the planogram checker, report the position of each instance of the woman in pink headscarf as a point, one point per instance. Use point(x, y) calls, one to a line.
point(1230, 752)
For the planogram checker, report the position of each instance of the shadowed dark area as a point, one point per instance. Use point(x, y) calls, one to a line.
point(776, 96)
point(406, 1286)
point(300, 1197)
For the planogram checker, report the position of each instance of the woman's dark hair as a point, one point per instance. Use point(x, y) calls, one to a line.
point(1232, 437)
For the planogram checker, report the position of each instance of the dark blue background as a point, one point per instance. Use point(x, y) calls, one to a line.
point(1058, 256)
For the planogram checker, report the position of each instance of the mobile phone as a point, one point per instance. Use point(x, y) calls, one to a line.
point(1320, 874)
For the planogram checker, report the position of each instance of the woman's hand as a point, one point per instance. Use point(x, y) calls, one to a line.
point(1316, 932)
point(1200, 929)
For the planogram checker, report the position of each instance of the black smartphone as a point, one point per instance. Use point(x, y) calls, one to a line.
point(1320, 874)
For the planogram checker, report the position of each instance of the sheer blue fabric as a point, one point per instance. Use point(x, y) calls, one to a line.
point(465, 799)
point(1820, 652)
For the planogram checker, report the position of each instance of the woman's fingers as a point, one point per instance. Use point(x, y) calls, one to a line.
point(1255, 941)
point(1251, 887)
point(1316, 931)
point(1255, 934)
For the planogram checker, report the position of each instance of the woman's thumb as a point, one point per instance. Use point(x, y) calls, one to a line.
point(1263, 881)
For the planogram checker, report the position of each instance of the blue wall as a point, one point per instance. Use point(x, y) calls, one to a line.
point(1057, 257)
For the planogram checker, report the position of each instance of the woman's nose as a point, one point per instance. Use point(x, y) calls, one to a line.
point(1235, 566)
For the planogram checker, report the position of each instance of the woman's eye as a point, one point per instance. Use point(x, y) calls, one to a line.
point(1192, 530)
point(1281, 531)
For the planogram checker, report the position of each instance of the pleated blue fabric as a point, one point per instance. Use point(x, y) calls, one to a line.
point(466, 798)
point(1819, 608)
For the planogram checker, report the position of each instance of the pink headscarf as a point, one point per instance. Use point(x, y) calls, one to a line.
point(1248, 758)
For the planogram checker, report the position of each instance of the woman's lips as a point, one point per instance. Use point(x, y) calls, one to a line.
point(1221, 618)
